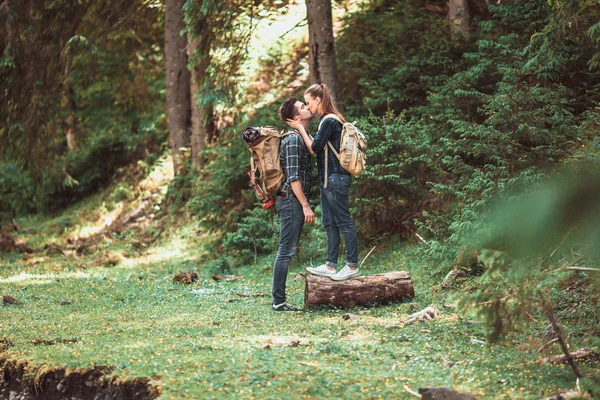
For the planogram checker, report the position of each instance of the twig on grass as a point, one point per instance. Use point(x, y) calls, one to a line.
point(583, 269)
point(409, 390)
point(259, 294)
point(559, 333)
point(364, 259)
point(550, 343)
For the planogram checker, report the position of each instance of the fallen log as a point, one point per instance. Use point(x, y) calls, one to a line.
point(362, 290)
point(579, 355)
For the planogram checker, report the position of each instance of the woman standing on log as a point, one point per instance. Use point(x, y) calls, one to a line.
point(334, 184)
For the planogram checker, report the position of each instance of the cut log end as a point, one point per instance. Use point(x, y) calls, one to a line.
point(363, 290)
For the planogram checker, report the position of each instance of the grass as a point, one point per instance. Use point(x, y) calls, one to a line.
point(126, 312)
point(218, 344)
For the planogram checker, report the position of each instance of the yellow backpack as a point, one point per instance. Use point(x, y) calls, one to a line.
point(266, 174)
point(353, 145)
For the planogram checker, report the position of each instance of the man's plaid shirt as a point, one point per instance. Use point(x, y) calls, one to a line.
point(295, 161)
point(331, 131)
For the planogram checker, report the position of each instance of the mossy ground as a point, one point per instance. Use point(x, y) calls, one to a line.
point(218, 343)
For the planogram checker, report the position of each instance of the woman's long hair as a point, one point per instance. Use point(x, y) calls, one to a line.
point(322, 91)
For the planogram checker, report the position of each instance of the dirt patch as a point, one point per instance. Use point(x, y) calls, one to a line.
point(21, 381)
point(10, 243)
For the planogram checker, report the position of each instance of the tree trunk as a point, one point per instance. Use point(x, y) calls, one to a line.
point(178, 80)
point(363, 290)
point(68, 103)
point(321, 55)
point(70, 121)
point(459, 17)
point(199, 127)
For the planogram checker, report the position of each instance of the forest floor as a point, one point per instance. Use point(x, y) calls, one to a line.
point(112, 323)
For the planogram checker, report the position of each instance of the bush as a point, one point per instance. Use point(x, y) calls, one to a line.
point(254, 236)
point(390, 53)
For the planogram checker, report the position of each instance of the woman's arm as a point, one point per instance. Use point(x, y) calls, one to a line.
point(308, 141)
point(327, 128)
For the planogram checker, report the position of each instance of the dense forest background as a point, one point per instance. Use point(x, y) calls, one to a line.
point(467, 106)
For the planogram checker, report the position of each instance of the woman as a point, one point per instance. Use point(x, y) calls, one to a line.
point(334, 183)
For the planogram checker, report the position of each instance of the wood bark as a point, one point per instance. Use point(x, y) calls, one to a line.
point(363, 290)
point(178, 80)
point(321, 55)
point(199, 129)
point(459, 16)
point(70, 122)
point(581, 354)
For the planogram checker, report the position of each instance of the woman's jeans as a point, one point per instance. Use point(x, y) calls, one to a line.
point(291, 221)
point(336, 218)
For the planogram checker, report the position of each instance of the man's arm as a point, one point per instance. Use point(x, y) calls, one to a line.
point(292, 167)
point(309, 215)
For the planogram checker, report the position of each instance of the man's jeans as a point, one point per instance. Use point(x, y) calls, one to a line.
point(291, 221)
point(336, 217)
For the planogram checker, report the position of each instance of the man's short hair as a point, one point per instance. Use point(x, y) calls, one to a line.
point(288, 109)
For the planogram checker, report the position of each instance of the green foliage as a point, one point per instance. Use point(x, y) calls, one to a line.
point(496, 126)
point(91, 69)
point(16, 192)
point(222, 194)
point(390, 53)
point(221, 32)
point(123, 192)
point(390, 193)
point(254, 236)
point(532, 238)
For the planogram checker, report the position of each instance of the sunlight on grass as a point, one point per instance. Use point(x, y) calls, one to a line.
point(43, 279)
point(160, 176)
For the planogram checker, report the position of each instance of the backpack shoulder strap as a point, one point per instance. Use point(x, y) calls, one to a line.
point(332, 116)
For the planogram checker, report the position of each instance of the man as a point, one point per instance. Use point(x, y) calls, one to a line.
point(292, 202)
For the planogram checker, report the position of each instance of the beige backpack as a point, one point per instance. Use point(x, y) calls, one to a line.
point(266, 175)
point(353, 145)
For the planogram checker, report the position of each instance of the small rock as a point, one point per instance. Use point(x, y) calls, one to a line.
point(89, 384)
point(203, 292)
point(477, 341)
point(348, 316)
point(64, 302)
point(227, 278)
point(426, 314)
point(185, 277)
point(62, 386)
point(9, 300)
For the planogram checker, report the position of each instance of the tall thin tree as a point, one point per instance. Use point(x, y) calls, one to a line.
point(178, 80)
point(459, 16)
point(199, 117)
point(321, 56)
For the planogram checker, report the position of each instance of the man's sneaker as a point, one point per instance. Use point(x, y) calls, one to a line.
point(285, 307)
point(345, 273)
point(321, 270)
